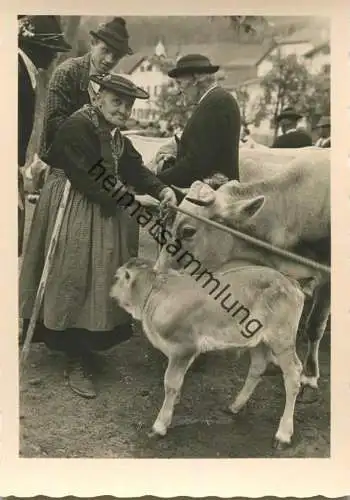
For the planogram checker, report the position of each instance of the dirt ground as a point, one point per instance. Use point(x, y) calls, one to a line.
point(56, 423)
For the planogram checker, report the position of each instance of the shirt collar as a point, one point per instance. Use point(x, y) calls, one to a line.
point(291, 130)
point(212, 87)
point(30, 66)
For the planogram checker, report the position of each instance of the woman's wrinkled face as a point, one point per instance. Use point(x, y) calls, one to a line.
point(115, 108)
point(103, 57)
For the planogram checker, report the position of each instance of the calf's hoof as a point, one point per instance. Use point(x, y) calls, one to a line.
point(158, 430)
point(233, 411)
point(153, 435)
point(279, 445)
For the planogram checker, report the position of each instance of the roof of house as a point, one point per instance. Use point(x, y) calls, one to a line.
point(314, 34)
point(223, 53)
point(322, 47)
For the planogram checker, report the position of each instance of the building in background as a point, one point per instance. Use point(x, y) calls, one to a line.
point(311, 45)
point(242, 67)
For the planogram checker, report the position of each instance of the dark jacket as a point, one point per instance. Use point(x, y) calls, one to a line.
point(295, 139)
point(77, 148)
point(26, 111)
point(25, 122)
point(66, 93)
point(209, 143)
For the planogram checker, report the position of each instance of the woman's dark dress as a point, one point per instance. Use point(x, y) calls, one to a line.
point(93, 240)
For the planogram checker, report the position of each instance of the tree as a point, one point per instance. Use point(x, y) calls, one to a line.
point(286, 84)
point(250, 110)
point(317, 101)
point(171, 104)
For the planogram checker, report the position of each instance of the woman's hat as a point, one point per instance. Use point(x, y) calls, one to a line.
point(44, 31)
point(289, 112)
point(325, 121)
point(192, 63)
point(120, 85)
point(114, 34)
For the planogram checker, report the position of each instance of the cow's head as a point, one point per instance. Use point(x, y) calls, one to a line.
point(195, 244)
point(194, 239)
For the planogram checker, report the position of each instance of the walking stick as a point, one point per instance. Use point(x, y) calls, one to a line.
point(45, 273)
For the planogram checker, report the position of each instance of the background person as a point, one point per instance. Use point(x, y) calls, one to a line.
point(78, 315)
point(291, 137)
point(40, 38)
point(324, 129)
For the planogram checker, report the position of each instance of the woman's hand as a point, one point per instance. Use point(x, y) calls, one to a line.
point(167, 197)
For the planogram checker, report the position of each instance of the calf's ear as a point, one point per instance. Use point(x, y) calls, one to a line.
point(248, 208)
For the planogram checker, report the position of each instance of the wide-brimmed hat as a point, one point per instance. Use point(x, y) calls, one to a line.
point(44, 31)
point(114, 34)
point(325, 121)
point(120, 85)
point(289, 112)
point(192, 63)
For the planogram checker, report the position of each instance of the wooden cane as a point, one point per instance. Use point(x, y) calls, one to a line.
point(45, 273)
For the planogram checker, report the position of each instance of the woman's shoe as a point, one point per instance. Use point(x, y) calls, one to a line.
point(80, 378)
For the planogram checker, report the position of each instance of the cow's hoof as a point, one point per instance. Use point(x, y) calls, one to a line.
point(308, 395)
point(279, 445)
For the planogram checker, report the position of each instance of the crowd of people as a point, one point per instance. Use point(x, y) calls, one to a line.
point(87, 107)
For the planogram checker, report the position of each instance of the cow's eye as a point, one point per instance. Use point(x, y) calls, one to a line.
point(127, 275)
point(188, 232)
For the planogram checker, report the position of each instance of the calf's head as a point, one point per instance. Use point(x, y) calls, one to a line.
point(131, 285)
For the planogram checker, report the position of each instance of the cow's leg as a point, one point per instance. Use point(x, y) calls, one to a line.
point(173, 380)
point(291, 367)
point(316, 326)
point(258, 363)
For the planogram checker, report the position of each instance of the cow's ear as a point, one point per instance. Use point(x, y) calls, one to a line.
point(249, 208)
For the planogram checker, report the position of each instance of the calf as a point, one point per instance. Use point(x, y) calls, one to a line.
point(183, 319)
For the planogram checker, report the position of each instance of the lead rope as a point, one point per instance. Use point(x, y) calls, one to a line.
point(254, 241)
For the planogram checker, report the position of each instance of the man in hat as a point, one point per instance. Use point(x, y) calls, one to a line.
point(209, 143)
point(40, 38)
point(291, 136)
point(70, 88)
point(324, 130)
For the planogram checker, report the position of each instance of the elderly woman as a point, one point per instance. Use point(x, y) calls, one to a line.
point(78, 316)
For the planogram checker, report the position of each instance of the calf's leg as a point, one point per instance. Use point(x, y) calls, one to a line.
point(178, 365)
point(291, 368)
point(258, 364)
